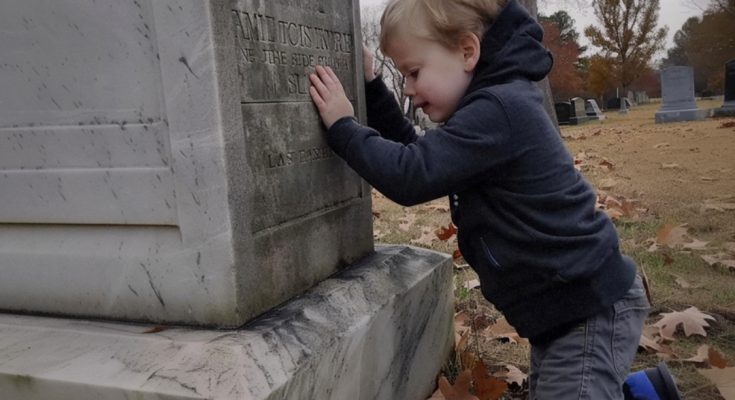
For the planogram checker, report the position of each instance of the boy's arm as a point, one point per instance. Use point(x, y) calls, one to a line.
point(445, 160)
point(384, 114)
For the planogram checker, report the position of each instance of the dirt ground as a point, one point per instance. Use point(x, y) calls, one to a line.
point(677, 177)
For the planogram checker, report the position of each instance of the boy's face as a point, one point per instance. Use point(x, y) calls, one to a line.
point(436, 77)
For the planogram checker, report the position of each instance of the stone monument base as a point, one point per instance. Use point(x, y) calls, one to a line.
point(725, 111)
point(380, 329)
point(663, 117)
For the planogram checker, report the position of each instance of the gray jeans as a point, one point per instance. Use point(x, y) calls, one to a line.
point(592, 361)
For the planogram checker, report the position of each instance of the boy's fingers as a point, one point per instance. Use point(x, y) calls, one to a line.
point(317, 83)
point(334, 76)
point(318, 100)
point(324, 75)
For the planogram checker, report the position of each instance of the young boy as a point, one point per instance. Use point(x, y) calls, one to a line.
point(526, 219)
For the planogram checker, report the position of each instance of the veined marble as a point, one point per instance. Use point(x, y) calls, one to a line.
point(380, 329)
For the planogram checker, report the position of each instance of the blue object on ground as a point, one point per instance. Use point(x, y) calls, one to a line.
point(651, 384)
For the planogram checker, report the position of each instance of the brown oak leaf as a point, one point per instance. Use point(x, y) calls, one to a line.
point(461, 388)
point(487, 387)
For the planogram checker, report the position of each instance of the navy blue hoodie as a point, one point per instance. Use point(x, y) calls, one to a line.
point(526, 219)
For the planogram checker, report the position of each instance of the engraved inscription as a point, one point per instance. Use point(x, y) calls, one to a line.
point(290, 158)
point(280, 50)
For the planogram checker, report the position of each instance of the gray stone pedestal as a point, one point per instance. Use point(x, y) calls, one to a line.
point(377, 330)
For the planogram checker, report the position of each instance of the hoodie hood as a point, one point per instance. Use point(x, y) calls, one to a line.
point(511, 49)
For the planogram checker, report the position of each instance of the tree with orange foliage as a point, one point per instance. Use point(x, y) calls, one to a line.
point(600, 76)
point(564, 77)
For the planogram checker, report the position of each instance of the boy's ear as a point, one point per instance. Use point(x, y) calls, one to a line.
point(469, 45)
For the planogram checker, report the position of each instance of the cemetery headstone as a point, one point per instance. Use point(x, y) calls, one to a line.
point(162, 162)
point(728, 106)
point(593, 110)
point(677, 96)
point(578, 111)
point(617, 103)
point(171, 173)
point(563, 112)
point(632, 98)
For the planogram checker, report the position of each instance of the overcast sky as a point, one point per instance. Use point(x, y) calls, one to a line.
point(673, 14)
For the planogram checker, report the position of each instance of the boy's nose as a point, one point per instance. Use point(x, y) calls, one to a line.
point(409, 90)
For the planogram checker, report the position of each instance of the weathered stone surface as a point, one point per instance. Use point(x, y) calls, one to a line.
point(378, 330)
point(160, 160)
point(677, 96)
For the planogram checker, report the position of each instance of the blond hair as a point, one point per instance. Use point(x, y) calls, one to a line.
point(443, 21)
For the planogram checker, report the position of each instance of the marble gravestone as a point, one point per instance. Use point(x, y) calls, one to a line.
point(677, 96)
point(728, 106)
point(172, 169)
point(593, 110)
point(162, 163)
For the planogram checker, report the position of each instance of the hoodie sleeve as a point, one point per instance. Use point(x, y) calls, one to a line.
point(384, 114)
point(445, 160)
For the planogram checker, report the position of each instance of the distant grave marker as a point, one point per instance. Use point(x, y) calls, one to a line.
point(677, 96)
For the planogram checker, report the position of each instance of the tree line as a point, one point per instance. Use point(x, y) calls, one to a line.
point(627, 38)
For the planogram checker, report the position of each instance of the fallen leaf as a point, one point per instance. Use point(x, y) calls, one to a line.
point(671, 235)
point(445, 233)
point(716, 359)
point(723, 378)
point(682, 282)
point(661, 145)
point(461, 388)
point(456, 255)
point(614, 214)
point(676, 236)
point(695, 244)
point(406, 222)
point(707, 178)
point(606, 163)
point(718, 205)
point(720, 259)
point(487, 387)
point(460, 329)
point(376, 214)
point(438, 207)
point(708, 356)
point(156, 329)
point(670, 166)
point(437, 395)
point(607, 184)
point(471, 284)
point(514, 376)
point(649, 344)
point(692, 320)
point(501, 329)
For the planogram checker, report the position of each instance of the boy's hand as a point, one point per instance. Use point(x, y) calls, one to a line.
point(367, 61)
point(329, 97)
